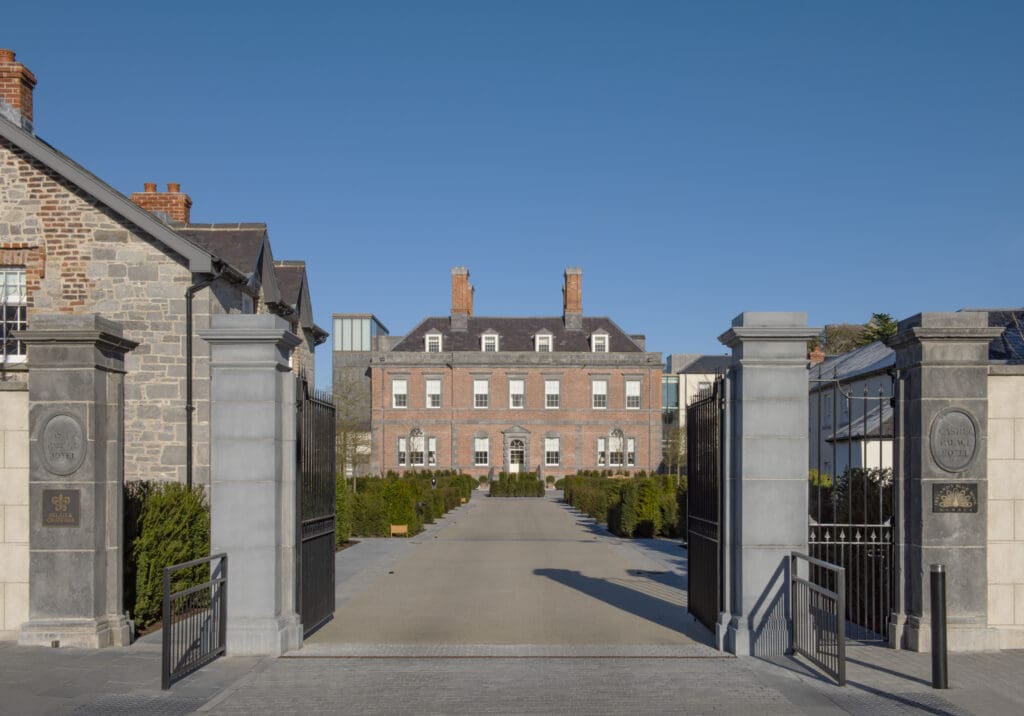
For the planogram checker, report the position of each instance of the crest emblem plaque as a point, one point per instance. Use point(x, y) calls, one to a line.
point(63, 444)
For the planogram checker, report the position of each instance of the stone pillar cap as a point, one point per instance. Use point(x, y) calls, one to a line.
point(72, 328)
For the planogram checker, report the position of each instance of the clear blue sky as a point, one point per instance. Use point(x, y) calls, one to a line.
point(697, 159)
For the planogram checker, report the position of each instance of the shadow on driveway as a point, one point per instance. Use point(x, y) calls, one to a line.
point(657, 609)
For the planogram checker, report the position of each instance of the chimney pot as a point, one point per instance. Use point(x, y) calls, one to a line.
point(16, 86)
point(173, 204)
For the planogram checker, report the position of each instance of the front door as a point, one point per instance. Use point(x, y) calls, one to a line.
point(516, 455)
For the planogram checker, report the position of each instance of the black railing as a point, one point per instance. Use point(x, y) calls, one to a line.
point(194, 617)
point(819, 628)
point(316, 475)
point(703, 512)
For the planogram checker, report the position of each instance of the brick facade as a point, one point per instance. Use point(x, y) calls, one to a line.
point(453, 351)
point(575, 422)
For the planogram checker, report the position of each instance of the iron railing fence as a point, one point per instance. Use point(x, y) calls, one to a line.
point(851, 519)
point(703, 511)
point(316, 475)
point(819, 621)
point(194, 618)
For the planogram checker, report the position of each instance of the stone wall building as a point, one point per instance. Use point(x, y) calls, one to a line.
point(489, 394)
point(79, 246)
point(70, 243)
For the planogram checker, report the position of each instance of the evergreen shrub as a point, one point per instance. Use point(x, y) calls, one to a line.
point(173, 527)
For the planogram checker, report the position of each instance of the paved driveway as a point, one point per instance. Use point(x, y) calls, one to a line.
point(507, 576)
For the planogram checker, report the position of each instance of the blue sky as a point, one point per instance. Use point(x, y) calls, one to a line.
point(697, 159)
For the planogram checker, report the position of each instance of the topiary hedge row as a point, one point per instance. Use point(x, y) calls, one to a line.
point(635, 507)
point(166, 523)
point(413, 499)
point(524, 484)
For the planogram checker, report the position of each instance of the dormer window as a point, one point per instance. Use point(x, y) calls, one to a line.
point(599, 342)
point(432, 343)
point(489, 343)
point(542, 342)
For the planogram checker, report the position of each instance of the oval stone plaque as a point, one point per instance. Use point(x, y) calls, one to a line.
point(953, 439)
point(63, 440)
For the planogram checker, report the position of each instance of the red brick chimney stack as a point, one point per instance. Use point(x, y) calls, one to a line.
point(462, 291)
point(172, 203)
point(16, 85)
point(572, 299)
point(572, 293)
point(816, 356)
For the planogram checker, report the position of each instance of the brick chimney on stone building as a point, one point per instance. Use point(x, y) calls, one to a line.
point(572, 298)
point(172, 203)
point(462, 298)
point(16, 85)
point(816, 356)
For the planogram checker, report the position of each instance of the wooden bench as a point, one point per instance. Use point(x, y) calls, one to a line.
point(399, 530)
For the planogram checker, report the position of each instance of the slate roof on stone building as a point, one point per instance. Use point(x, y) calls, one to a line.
point(516, 334)
point(289, 280)
point(237, 244)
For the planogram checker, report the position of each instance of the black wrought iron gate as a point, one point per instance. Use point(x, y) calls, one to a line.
point(315, 495)
point(852, 520)
point(704, 502)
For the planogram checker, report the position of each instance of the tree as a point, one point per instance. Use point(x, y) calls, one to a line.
point(880, 327)
point(674, 449)
point(352, 421)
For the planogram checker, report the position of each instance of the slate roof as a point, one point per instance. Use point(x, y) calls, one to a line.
point(289, 280)
point(860, 361)
point(237, 244)
point(1009, 347)
point(516, 334)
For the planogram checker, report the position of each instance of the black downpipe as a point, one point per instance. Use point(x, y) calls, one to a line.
point(190, 407)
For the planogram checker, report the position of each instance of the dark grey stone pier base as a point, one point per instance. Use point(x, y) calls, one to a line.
point(76, 448)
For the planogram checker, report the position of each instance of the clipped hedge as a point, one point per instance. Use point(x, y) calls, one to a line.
point(170, 524)
point(525, 484)
point(635, 507)
point(343, 507)
point(413, 499)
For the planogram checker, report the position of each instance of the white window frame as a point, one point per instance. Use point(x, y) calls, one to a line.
point(399, 400)
point(599, 342)
point(521, 394)
point(602, 454)
point(633, 402)
point(616, 457)
point(403, 455)
point(417, 441)
point(486, 340)
point(431, 452)
point(630, 452)
point(543, 343)
point(431, 338)
point(556, 394)
point(599, 399)
point(486, 452)
point(14, 316)
point(429, 395)
point(486, 394)
point(556, 452)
